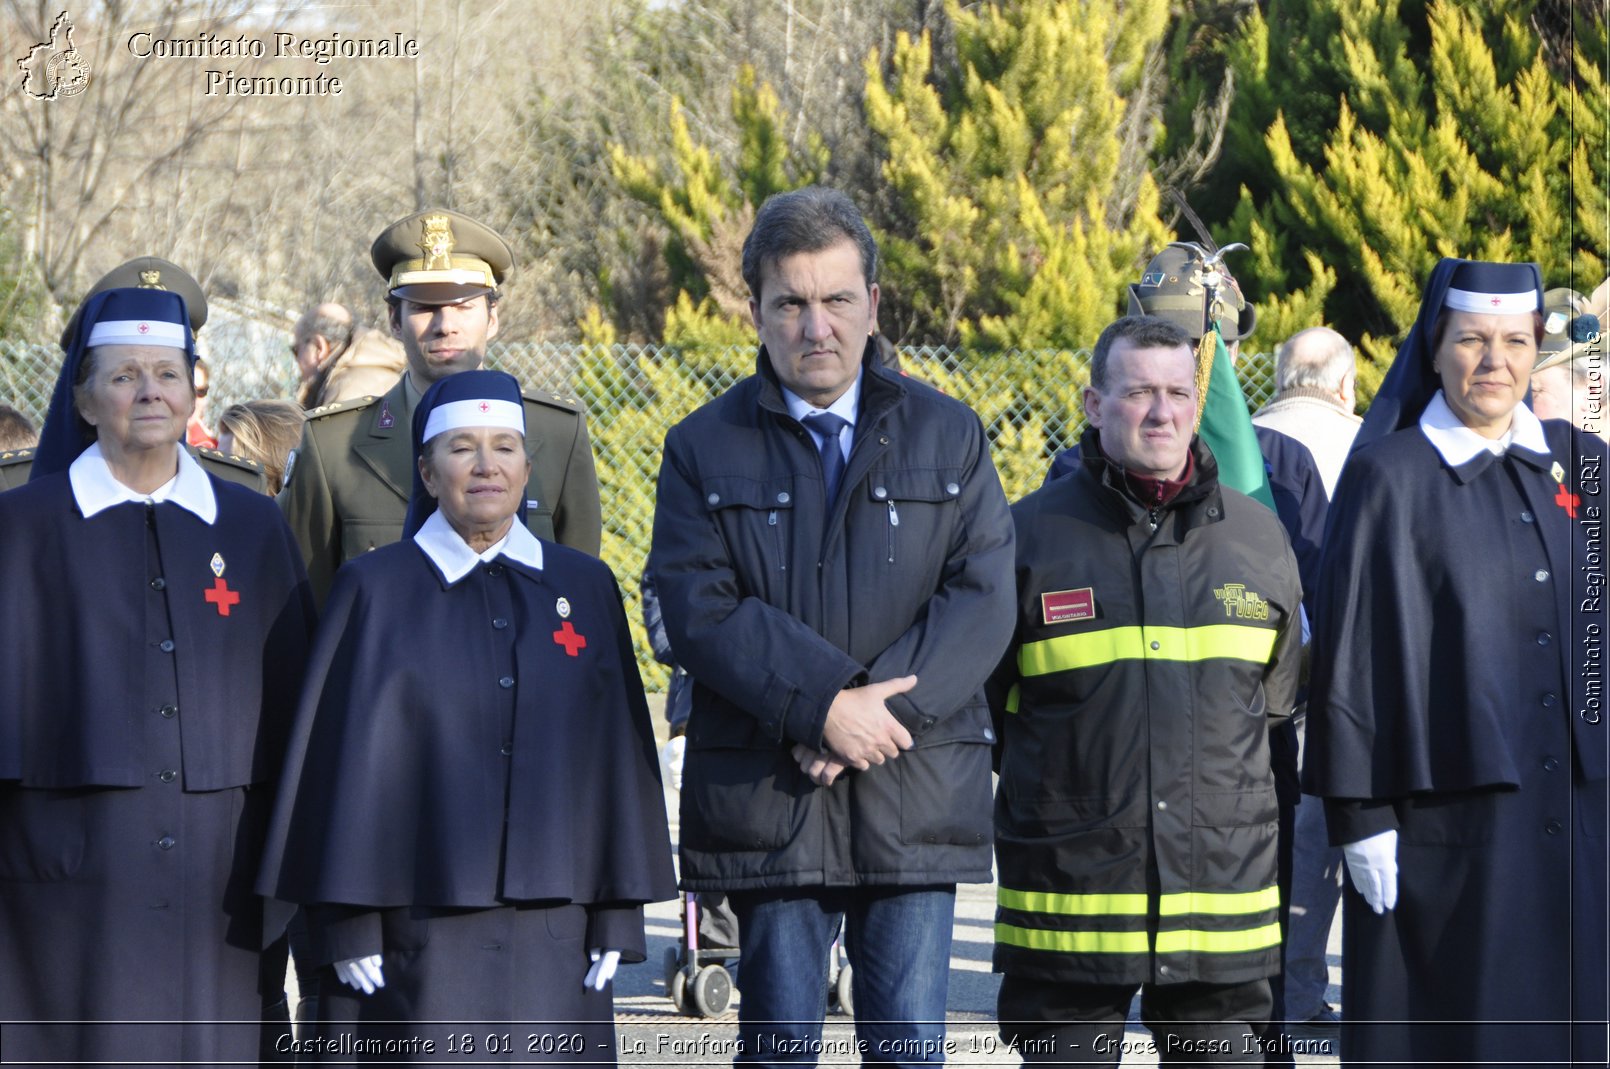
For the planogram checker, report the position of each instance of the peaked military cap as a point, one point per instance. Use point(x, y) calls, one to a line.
point(1174, 287)
point(149, 273)
point(439, 256)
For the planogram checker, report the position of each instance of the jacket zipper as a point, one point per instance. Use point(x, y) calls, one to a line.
point(894, 521)
point(782, 558)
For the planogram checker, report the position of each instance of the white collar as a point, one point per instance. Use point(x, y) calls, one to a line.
point(455, 559)
point(96, 489)
point(848, 405)
point(1458, 444)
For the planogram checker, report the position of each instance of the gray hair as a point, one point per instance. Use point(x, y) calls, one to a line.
point(1316, 357)
point(805, 220)
point(1141, 332)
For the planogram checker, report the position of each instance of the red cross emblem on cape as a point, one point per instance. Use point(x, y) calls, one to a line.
point(1567, 501)
point(572, 640)
point(221, 596)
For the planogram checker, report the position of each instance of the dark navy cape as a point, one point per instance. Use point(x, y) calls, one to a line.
point(71, 618)
point(432, 713)
point(140, 731)
point(1457, 694)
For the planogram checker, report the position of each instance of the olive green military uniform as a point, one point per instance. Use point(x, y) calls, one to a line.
point(346, 491)
point(17, 464)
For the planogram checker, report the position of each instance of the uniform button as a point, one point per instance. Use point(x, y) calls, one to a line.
point(1549, 700)
point(1156, 645)
point(1526, 517)
point(713, 499)
point(1550, 764)
point(167, 775)
point(1552, 827)
point(166, 645)
point(1214, 511)
point(989, 736)
point(1541, 575)
point(167, 842)
point(506, 682)
point(952, 489)
point(880, 492)
point(1544, 638)
point(506, 749)
point(782, 499)
point(499, 623)
point(168, 712)
point(494, 569)
point(1162, 805)
point(1164, 969)
point(159, 583)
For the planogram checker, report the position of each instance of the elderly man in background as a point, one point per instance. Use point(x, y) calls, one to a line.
point(340, 362)
point(1305, 433)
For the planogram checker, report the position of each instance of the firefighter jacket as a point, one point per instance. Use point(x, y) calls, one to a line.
point(1135, 818)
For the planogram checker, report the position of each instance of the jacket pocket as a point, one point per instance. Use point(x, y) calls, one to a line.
point(360, 536)
point(1236, 809)
point(737, 799)
point(755, 515)
point(539, 521)
point(945, 793)
point(912, 500)
point(42, 834)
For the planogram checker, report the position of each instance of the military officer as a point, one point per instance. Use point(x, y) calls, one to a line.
point(347, 484)
point(154, 273)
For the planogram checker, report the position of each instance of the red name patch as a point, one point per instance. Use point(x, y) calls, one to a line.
point(1063, 606)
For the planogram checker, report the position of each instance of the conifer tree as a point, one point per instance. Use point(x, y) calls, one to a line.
point(1365, 143)
point(1018, 196)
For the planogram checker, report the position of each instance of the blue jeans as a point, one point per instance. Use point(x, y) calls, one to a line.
point(898, 942)
point(1316, 887)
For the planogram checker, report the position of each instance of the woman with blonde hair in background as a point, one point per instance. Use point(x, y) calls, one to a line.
point(264, 431)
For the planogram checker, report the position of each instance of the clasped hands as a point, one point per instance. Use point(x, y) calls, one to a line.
point(859, 732)
point(365, 973)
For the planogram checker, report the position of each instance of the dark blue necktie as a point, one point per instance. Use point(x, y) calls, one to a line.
point(827, 426)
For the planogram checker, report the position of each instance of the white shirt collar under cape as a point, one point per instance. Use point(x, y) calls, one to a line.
point(455, 559)
point(1458, 444)
point(96, 489)
point(847, 407)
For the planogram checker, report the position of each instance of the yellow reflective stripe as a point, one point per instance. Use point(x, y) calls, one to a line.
point(1236, 642)
point(1109, 905)
point(1196, 941)
point(1012, 697)
point(1072, 942)
point(1219, 904)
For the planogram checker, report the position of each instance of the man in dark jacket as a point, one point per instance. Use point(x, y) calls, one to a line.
point(1157, 636)
point(833, 553)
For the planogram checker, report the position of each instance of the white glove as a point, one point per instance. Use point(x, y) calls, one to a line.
point(671, 755)
point(603, 970)
point(1373, 864)
point(361, 974)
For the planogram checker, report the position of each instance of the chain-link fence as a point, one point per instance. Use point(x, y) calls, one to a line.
point(1029, 401)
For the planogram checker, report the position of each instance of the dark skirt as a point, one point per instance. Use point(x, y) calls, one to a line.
point(129, 913)
point(1498, 940)
point(486, 986)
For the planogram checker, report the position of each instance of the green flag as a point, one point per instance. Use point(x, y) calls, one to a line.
point(1226, 428)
